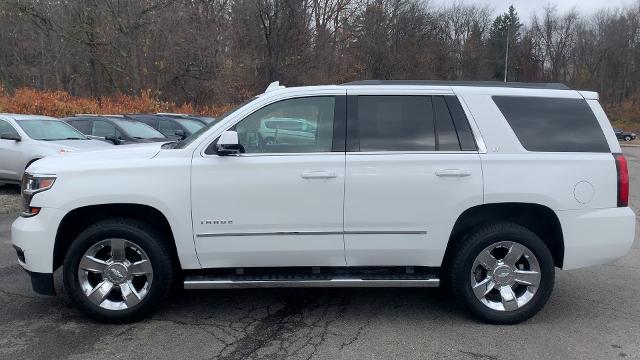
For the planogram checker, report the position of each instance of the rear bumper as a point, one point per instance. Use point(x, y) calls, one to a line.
point(597, 236)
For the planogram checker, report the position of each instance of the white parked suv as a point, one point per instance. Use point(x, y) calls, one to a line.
point(483, 187)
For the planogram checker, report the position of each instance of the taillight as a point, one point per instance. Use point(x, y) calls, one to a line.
point(623, 180)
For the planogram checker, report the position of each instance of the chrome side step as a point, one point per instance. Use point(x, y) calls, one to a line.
point(203, 282)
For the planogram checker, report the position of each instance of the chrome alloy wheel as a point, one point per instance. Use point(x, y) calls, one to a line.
point(115, 274)
point(505, 276)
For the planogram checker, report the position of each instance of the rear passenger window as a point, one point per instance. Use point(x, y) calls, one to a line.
point(413, 123)
point(465, 135)
point(396, 123)
point(447, 137)
point(553, 124)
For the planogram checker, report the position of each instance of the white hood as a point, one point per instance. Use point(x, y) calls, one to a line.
point(81, 145)
point(95, 158)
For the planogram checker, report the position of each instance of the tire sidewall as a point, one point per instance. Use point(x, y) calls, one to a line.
point(485, 238)
point(146, 240)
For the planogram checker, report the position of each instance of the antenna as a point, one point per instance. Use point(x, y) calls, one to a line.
point(506, 56)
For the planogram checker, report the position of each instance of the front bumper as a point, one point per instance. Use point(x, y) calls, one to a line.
point(34, 239)
point(596, 236)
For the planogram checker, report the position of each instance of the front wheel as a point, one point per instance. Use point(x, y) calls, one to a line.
point(502, 273)
point(627, 138)
point(117, 270)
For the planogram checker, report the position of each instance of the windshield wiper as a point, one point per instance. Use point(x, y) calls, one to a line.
point(69, 138)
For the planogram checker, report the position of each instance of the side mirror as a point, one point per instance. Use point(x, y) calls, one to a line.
point(180, 134)
point(10, 136)
point(113, 139)
point(228, 144)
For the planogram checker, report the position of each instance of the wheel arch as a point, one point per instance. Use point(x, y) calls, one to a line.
point(538, 218)
point(76, 220)
point(31, 161)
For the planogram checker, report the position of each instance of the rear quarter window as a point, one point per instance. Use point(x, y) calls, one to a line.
point(553, 124)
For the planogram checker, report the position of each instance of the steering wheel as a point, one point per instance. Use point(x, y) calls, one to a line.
point(254, 141)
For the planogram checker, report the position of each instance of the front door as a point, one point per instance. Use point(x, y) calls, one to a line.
point(281, 202)
point(412, 167)
point(12, 160)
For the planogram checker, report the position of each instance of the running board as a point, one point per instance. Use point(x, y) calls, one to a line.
point(205, 282)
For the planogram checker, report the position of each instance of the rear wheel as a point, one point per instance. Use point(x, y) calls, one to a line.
point(627, 138)
point(502, 273)
point(117, 270)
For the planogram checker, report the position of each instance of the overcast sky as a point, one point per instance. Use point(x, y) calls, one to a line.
point(526, 8)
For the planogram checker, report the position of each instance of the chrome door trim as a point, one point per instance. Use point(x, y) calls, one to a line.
point(282, 233)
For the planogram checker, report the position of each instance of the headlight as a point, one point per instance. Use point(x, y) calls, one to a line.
point(31, 185)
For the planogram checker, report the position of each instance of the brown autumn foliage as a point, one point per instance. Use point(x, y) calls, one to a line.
point(60, 103)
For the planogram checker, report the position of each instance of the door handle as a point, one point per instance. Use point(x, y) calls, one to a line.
point(453, 173)
point(318, 174)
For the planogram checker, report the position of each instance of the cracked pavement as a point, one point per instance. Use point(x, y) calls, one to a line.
point(594, 313)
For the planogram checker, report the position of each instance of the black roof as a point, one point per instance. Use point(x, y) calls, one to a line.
point(549, 86)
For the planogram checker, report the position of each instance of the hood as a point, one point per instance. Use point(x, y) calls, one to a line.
point(95, 158)
point(82, 144)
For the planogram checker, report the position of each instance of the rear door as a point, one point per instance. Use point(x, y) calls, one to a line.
point(412, 167)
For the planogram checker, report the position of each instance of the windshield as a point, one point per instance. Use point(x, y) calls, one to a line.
point(191, 125)
point(189, 139)
point(50, 130)
point(138, 130)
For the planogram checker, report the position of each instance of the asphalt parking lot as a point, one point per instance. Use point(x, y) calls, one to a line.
point(593, 313)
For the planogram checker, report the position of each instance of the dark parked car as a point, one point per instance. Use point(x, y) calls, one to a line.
point(115, 128)
point(624, 135)
point(169, 126)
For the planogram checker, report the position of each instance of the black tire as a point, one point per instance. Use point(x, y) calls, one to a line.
point(627, 138)
point(458, 271)
point(143, 236)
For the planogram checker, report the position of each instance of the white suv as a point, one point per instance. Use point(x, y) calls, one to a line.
point(483, 187)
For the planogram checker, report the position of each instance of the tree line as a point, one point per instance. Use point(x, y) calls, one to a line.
point(223, 51)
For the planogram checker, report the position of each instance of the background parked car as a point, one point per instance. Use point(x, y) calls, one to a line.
point(170, 126)
point(115, 128)
point(27, 138)
point(279, 130)
point(204, 119)
point(624, 135)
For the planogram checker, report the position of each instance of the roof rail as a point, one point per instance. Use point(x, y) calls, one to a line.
point(274, 86)
point(550, 86)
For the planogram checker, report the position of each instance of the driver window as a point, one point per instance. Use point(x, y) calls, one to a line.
point(289, 126)
point(6, 128)
point(103, 129)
